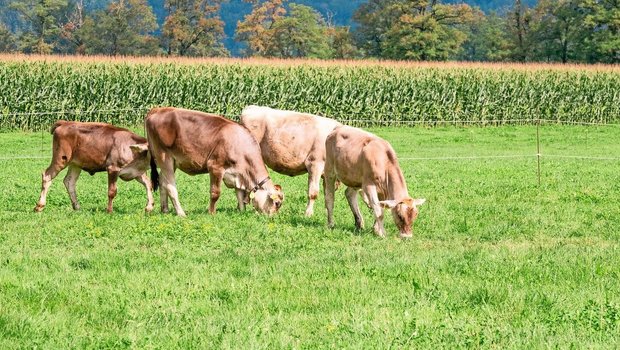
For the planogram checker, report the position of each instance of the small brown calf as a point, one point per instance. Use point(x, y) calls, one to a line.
point(366, 162)
point(96, 147)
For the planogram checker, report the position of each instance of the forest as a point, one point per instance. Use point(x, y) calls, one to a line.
point(584, 31)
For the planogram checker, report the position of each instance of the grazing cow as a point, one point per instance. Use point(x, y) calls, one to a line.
point(361, 160)
point(199, 143)
point(96, 147)
point(291, 143)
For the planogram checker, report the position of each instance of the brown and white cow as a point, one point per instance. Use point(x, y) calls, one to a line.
point(291, 143)
point(96, 147)
point(361, 160)
point(199, 143)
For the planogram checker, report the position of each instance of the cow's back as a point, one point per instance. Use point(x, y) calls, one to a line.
point(287, 138)
point(356, 155)
point(195, 138)
point(94, 146)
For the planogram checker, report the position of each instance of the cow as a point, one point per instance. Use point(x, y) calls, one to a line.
point(291, 143)
point(96, 147)
point(363, 161)
point(199, 143)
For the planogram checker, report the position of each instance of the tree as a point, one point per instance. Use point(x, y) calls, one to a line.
point(70, 39)
point(486, 39)
point(270, 31)
point(603, 20)
point(303, 33)
point(342, 43)
point(374, 21)
point(256, 28)
point(7, 41)
point(518, 28)
point(124, 28)
point(413, 29)
point(42, 19)
point(193, 27)
point(557, 29)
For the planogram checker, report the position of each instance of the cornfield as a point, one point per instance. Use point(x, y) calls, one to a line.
point(34, 92)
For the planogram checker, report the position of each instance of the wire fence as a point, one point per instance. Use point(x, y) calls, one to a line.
point(538, 155)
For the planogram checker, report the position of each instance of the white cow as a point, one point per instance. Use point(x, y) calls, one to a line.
point(291, 143)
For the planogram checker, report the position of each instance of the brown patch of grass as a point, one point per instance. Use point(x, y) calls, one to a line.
point(312, 62)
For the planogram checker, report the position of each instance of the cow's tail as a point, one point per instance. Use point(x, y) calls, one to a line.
point(154, 173)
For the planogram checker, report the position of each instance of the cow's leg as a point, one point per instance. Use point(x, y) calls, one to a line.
point(163, 199)
point(351, 194)
point(216, 184)
point(373, 199)
point(330, 189)
point(314, 179)
point(112, 179)
point(73, 173)
point(169, 188)
point(46, 181)
point(144, 179)
point(240, 199)
point(365, 199)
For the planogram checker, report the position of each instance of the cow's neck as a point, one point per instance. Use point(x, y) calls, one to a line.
point(396, 188)
point(255, 176)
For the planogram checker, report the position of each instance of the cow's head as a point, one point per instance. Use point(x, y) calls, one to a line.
point(405, 212)
point(268, 201)
point(141, 156)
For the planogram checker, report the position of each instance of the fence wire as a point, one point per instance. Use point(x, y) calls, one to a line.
point(73, 112)
point(380, 120)
point(361, 122)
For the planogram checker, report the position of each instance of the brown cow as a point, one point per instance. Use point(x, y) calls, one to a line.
point(361, 160)
point(199, 143)
point(96, 147)
point(291, 143)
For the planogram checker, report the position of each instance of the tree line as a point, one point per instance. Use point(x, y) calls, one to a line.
point(551, 31)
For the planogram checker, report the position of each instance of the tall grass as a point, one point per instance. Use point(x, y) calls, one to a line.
point(375, 92)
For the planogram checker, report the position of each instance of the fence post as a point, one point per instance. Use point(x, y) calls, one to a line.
point(538, 147)
point(42, 131)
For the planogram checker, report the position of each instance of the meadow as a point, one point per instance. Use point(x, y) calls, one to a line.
point(496, 260)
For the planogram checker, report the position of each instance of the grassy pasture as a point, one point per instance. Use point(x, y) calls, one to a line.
point(496, 261)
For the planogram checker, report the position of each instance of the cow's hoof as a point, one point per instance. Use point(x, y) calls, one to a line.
point(406, 237)
point(38, 208)
point(181, 215)
point(148, 209)
point(309, 212)
point(165, 211)
point(76, 207)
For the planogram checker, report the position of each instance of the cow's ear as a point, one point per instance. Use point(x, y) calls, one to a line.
point(388, 204)
point(419, 201)
point(278, 187)
point(139, 148)
point(408, 202)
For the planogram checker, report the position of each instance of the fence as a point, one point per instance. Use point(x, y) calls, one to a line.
point(45, 119)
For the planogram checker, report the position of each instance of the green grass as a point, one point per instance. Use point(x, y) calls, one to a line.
point(496, 260)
